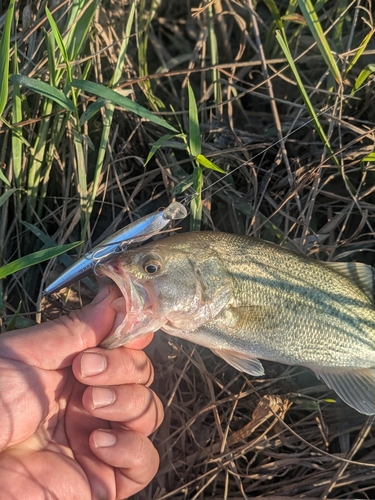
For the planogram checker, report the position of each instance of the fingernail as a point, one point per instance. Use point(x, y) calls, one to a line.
point(102, 294)
point(104, 439)
point(102, 396)
point(92, 363)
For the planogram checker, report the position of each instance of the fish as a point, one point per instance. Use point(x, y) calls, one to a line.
point(247, 299)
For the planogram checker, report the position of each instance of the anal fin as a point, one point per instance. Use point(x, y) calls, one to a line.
point(241, 362)
point(354, 386)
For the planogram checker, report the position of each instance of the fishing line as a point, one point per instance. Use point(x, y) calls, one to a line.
point(189, 198)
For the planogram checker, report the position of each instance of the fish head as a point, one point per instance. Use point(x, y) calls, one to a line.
point(173, 284)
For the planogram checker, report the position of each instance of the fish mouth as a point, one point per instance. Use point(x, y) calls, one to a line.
point(138, 305)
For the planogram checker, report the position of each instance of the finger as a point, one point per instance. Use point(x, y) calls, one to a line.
point(118, 366)
point(135, 406)
point(142, 342)
point(132, 453)
point(54, 344)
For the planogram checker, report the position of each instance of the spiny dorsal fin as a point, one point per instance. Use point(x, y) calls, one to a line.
point(361, 274)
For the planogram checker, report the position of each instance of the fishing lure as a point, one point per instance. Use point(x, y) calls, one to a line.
point(136, 232)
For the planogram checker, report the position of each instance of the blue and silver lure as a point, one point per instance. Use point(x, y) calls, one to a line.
point(136, 232)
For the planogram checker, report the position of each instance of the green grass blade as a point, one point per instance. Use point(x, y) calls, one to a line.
point(359, 51)
point(6, 195)
point(12, 323)
point(21, 322)
point(37, 159)
point(35, 258)
point(92, 110)
point(52, 63)
point(4, 57)
point(65, 57)
point(196, 202)
point(214, 56)
point(162, 140)
point(205, 162)
point(17, 146)
point(316, 29)
point(338, 29)
point(272, 7)
point(81, 15)
point(183, 185)
point(146, 12)
point(362, 77)
point(46, 156)
point(82, 180)
point(4, 179)
point(124, 47)
point(370, 157)
point(47, 240)
point(173, 62)
point(56, 131)
point(107, 121)
point(45, 90)
point(60, 42)
point(195, 145)
point(294, 18)
point(124, 102)
point(305, 96)
point(65, 259)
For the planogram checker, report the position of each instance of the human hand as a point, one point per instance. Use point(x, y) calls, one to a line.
point(58, 438)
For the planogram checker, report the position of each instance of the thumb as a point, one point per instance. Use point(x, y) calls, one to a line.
point(54, 344)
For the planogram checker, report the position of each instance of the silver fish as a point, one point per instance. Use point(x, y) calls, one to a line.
point(245, 299)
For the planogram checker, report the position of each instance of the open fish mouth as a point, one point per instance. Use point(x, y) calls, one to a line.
point(137, 305)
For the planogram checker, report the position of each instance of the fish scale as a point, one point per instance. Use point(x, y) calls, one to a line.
point(245, 299)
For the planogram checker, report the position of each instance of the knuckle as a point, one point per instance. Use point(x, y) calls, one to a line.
point(128, 363)
point(158, 411)
point(141, 451)
point(140, 399)
point(136, 366)
point(74, 324)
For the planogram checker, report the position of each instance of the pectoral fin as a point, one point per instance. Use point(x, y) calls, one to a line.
point(241, 362)
point(355, 387)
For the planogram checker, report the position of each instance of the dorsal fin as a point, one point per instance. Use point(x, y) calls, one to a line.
point(361, 274)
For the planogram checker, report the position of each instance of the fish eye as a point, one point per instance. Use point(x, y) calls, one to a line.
point(152, 266)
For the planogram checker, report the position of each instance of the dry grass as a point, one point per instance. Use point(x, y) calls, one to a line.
point(225, 435)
